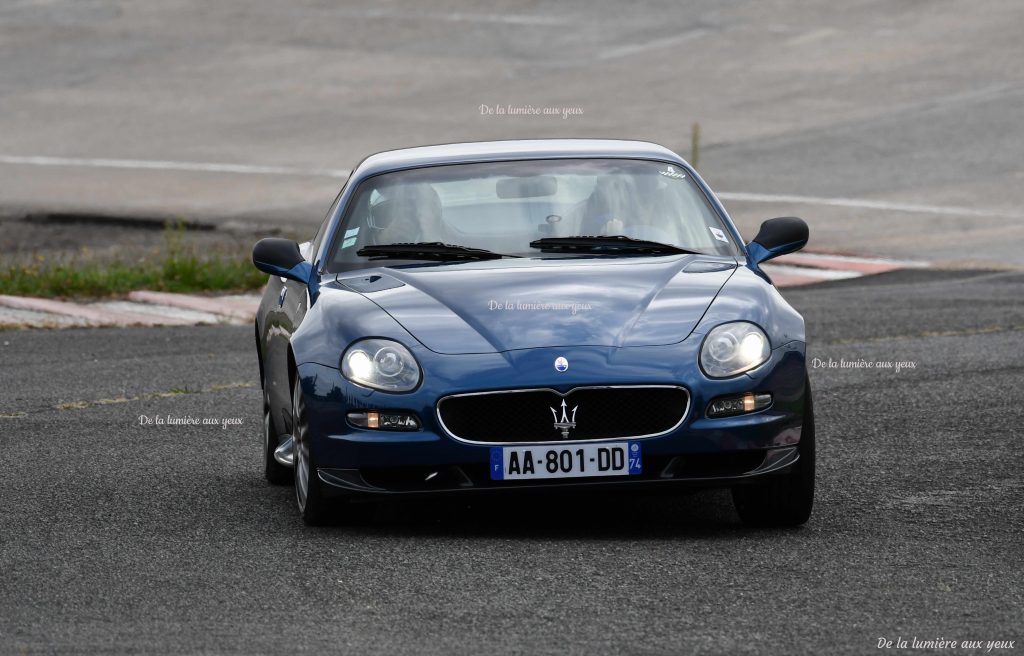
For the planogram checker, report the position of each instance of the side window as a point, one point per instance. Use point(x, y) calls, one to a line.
point(322, 230)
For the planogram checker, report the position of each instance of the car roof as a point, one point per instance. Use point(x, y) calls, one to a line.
point(492, 151)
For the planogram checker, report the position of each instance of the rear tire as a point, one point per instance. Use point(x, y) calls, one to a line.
point(784, 500)
point(309, 497)
point(273, 471)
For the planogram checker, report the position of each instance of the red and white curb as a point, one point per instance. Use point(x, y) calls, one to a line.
point(142, 308)
point(146, 308)
point(809, 267)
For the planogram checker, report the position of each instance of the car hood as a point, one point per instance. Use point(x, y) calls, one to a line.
point(501, 305)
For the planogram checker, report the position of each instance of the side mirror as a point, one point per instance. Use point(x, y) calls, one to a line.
point(281, 257)
point(776, 237)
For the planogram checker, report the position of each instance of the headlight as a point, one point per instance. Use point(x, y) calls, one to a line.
point(733, 348)
point(381, 364)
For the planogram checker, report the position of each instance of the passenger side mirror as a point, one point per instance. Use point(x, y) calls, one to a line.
point(776, 237)
point(281, 257)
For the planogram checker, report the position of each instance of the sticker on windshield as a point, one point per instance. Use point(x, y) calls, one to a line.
point(718, 234)
point(350, 237)
point(670, 172)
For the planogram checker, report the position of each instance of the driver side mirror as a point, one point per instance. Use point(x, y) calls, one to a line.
point(281, 257)
point(776, 237)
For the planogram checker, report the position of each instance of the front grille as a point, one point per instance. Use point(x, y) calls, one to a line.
point(531, 415)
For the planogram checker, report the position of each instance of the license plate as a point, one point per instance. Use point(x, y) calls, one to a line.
point(565, 460)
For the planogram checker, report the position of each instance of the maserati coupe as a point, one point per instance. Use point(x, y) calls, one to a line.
point(533, 316)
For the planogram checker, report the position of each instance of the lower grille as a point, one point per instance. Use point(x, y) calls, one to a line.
point(544, 415)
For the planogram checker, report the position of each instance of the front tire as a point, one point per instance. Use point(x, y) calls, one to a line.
point(785, 500)
point(309, 497)
point(273, 471)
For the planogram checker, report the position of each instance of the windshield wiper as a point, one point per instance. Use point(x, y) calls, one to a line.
point(613, 243)
point(429, 250)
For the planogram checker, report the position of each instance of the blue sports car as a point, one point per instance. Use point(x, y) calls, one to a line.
point(543, 315)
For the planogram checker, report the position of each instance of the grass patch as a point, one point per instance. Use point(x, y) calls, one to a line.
point(176, 266)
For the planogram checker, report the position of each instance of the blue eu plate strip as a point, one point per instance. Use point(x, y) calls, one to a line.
point(497, 464)
point(635, 459)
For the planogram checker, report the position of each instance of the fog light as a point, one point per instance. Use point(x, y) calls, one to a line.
point(384, 420)
point(728, 406)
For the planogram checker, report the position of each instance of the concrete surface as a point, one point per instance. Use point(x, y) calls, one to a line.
point(897, 103)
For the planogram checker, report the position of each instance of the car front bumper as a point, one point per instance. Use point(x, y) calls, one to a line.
point(701, 451)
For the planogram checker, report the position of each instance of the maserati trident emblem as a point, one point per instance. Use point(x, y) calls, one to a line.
point(565, 424)
point(561, 364)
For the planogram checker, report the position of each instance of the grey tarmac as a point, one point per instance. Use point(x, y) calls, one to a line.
point(248, 112)
point(121, 537)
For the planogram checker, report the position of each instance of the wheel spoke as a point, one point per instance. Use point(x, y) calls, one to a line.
point(301, 459)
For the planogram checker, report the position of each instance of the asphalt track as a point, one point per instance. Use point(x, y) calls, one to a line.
point(117, 537)
point(249, 111)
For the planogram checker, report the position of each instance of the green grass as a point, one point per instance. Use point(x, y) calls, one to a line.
point(176, 267)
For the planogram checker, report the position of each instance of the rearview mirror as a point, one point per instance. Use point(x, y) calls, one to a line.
point(776, 237)
point(537, 186)
point(281, 257)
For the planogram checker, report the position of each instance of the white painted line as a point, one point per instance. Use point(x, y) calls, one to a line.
point(252, 169)
point(657, 44)
point(505, 19)
point(808, 272)
point(865, 204)
point(462, 17)
point(159, 165)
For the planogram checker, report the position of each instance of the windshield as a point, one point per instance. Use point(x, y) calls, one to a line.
point(503, 206)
